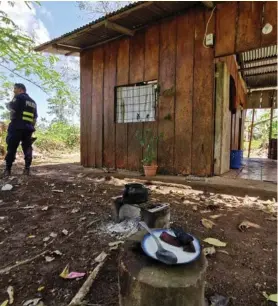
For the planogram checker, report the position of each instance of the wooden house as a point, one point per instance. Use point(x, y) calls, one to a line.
point(174, 68)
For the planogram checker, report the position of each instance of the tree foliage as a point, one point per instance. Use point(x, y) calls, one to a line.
point(18, 59)
point(97, 9)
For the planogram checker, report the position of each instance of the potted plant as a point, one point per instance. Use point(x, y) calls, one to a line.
point(148, 142)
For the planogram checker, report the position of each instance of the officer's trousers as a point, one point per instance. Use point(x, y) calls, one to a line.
point(13, 140)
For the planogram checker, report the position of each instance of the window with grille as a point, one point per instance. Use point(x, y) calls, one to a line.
point(136, 103)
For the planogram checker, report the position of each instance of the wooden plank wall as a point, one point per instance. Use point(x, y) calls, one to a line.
point(184, 92)
point(85, 105)
point(136, 75)
point(121, 129)
point(151, 65)
point(203, 87)
point(109, 83)
point(171, 52)
point(166, 104)
point(239, 26)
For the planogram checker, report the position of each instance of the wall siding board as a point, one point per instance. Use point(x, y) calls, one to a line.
point(85, 104)
point(97, 105)
point(91, 121)
point(249, 25)
point(184, 93)
point(136, 75)
point(270, 16)
point(110, 66)
point(164, 52)
point(226, 14)
point(122, 79)
point(202, 140)
point(151, 64)
point(166, 104)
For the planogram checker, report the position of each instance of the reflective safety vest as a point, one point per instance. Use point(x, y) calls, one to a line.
point(28, 111)
point(28, 116)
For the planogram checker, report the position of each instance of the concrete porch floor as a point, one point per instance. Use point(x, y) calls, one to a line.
point(258, 169)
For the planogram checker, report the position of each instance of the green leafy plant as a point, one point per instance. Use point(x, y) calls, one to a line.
point(148, 141)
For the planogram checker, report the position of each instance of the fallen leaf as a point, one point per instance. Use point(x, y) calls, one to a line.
point(92, 213)
point(49, 258)
point(115, 243)
point(209, 251)
point(273, 298)
point(207, 223)
point(273, 218)
point(246, 224)
point(265, 295)
point(75, 210)
point(215, 242)
point(65, 272)
point(82, 219)
point(10, 292)
point(57, 252)
point(113, 248)
point(216, 216)
point(46, 239)
point(7, 187)
point(53, 235)
point(65, 232)
point(5, 303)
point(41, 288)
point(45, 208)
point(101, 257)
point(31, 236)
point(223, 251)
point(73, 275)
point(195, 208)
point(34, 302)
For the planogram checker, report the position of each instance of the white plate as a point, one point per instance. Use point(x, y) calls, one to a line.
point(149, 246)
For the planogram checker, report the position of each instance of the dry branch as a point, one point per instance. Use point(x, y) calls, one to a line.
point(83, 291)
point(20, 263)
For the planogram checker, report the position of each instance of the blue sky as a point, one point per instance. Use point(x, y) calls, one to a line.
point(52, 14)
point(64, 17)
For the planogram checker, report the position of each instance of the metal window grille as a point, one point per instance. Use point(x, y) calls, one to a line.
point(136, 103)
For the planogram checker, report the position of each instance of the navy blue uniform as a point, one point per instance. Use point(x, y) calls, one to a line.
point(23, 118)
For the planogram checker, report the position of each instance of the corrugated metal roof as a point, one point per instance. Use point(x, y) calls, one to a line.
point(133, 17)
point(259, 67)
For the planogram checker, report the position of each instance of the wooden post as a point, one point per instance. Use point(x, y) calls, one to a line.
point(270, 129)
point(251, 133)
point(143, 281)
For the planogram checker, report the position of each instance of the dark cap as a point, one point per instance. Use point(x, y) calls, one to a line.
point(20, 86)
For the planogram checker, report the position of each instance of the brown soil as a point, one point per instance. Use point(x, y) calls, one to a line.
point(248, 269)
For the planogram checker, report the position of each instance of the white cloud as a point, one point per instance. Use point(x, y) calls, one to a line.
point(43, 11)
point(27, 20)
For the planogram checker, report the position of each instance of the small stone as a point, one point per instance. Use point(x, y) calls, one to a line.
point(65, 232)
point(53, 235)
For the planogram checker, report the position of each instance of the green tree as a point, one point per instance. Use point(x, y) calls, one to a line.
point(18, 59)
point(97, 9)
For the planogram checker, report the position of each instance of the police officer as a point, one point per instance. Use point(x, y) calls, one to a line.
point(23, 111)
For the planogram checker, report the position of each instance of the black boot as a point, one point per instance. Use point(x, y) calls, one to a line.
point(7, 172)
point(26, 171)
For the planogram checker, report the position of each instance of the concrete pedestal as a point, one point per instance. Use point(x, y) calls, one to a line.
point(145, 282)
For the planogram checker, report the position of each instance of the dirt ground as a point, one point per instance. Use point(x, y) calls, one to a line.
point(48, 201)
